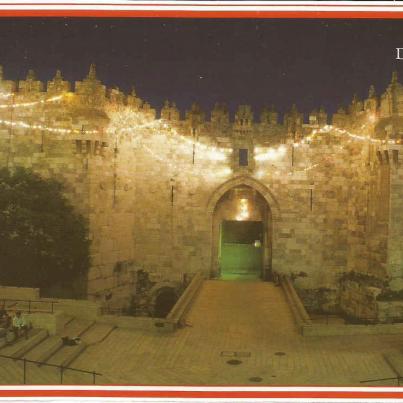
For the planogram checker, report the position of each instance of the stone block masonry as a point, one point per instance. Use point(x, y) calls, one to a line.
point(329, 196)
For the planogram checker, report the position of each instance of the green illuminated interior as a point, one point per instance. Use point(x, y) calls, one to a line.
point(239, 258)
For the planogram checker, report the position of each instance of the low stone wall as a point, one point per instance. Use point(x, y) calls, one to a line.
point(322, 300)
point(80, 308)
point(178, 313)
point(390, 311)
point(170, 323)
point(351, 330)
point(23, 293)
point(298, 310)
point(359, 301)
point(52, 322)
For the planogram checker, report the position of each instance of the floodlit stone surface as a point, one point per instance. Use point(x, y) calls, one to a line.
point(150, 188)
point(246, 321)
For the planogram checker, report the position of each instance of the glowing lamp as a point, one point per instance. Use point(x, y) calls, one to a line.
point(243, 210)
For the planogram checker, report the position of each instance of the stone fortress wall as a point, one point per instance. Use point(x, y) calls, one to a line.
point(150, 186)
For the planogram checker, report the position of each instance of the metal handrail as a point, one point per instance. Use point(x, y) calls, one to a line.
point(29, 301)
point(112, 311)
point(61, 368)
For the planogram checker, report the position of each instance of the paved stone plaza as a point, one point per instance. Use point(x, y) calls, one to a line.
point(247, 321)
point(244, 317)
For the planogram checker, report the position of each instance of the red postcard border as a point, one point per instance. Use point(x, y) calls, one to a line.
point(321, 393)
point(203, 14)
point(121, 391)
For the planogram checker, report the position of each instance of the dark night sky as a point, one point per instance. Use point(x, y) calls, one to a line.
point(258, 62)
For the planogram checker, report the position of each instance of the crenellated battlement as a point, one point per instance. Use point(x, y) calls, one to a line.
point(89, 96)
point(145, 179)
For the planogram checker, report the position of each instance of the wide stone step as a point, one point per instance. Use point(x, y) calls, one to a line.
point(11, 372)
point(56, 346)
point(67, 354)
point(10, 349)
point(43, 351)
point(32, 342)
point(97, 333)
point(76, 328)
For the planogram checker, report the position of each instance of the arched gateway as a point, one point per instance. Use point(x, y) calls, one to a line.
point(243, 214)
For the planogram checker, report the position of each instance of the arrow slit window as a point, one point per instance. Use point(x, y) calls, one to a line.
point(243, 157)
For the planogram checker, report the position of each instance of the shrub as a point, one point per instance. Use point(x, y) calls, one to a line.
point(43, 241)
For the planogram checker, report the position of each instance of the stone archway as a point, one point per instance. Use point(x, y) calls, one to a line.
point(268, 212)
point(247, 181)
point(163, 297)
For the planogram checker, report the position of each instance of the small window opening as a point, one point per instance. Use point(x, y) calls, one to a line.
point(79, 148)
point(243, 157)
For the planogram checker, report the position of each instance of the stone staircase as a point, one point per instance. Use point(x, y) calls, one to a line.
point(55, 353)
point(97, 333)
point(45, 350)
point(18, 348)
point(50, 350)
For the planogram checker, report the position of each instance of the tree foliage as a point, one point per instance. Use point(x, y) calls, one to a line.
point(43, 241)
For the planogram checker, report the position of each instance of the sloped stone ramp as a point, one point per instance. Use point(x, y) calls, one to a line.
point(252, 318)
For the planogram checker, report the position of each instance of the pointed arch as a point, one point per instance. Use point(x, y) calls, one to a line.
point(271, 222)
point(247, 181)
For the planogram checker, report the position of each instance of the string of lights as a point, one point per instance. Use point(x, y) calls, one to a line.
point(273, 153)
point(270, 153)
point(157, 157)
point(309, 168)
point(133, 121)
point(260, 173)
point(217, 153)
point(126, 121)
point(24, 125)
point(222, 172)
point(6, 94)
point(34, 103)
point(131, 129)
point(330, 128)
point(212, 152)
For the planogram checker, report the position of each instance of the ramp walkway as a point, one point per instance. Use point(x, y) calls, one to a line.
point(246, 311)
point(235, 333)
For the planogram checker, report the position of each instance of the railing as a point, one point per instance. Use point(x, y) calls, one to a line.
point(113, 311)
point(61, 369)
point(395, 378)
point(179, 310)
point(300, 314)
point(27, 305)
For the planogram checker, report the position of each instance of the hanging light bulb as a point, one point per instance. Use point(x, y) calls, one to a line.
point(243, 213)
